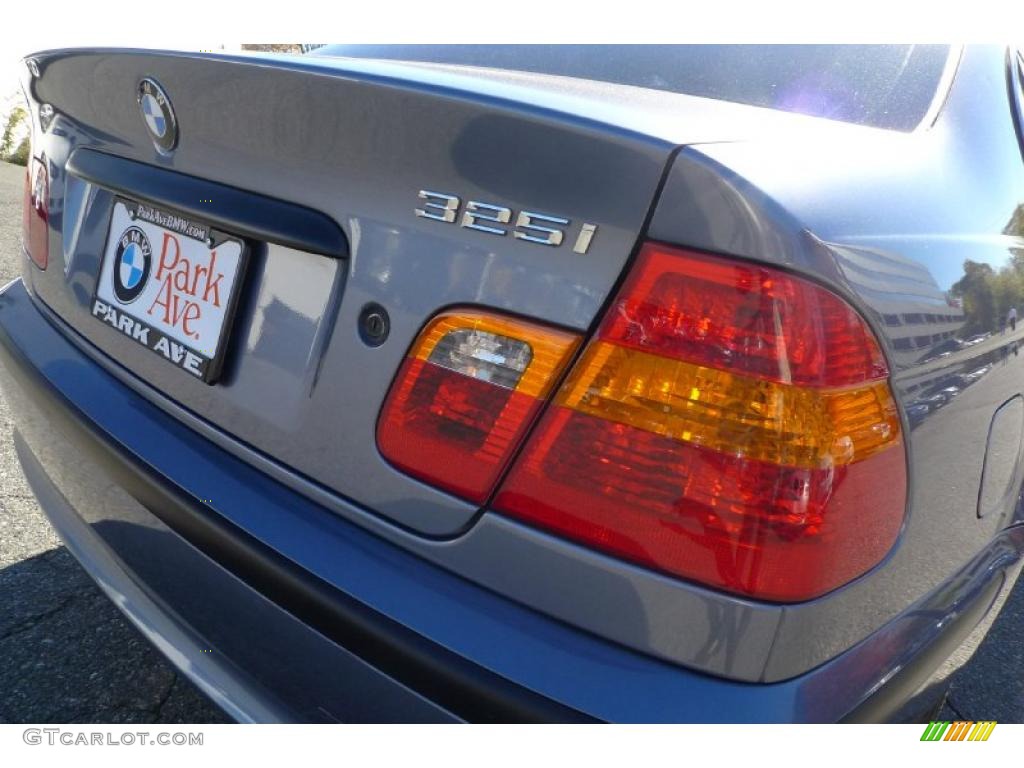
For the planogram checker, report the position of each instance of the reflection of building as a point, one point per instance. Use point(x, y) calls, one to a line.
point(917, 314)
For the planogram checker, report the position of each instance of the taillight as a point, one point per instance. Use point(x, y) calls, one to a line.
point(731, 424)
point(465, 395)
point(35, 213)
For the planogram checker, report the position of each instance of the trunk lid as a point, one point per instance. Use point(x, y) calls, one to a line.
point(349, 145)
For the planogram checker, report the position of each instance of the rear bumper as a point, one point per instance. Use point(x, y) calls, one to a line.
point(280, 610)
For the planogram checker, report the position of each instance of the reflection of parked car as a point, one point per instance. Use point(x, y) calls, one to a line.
point(917, 411)
point(943, 349)
point(523, 383)
point(976, 374)
point(977, 339)
point(940, 398)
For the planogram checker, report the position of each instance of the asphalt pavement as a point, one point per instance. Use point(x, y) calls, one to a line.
point(68, 655)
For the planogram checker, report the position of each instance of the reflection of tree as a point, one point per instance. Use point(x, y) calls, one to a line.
point(975, 288)
point(987, 295)
point(1016, 223)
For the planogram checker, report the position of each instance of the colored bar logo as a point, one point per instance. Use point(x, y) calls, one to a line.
point(959, 730)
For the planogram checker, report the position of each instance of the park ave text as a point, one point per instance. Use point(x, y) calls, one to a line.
point(178, 302)
point(149, 337)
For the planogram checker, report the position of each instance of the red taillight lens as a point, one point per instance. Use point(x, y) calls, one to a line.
point(745, 318)
point(730, 424)
point(35, 212)
point(465, 396)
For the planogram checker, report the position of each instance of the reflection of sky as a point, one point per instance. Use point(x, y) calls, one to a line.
point(948, 270)
point(946, 261)
point(941, 257)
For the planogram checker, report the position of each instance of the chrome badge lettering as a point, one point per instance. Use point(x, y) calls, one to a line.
point(533, 227)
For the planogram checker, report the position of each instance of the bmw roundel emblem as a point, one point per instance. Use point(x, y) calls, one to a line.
point(131, 264)
point(158, 114)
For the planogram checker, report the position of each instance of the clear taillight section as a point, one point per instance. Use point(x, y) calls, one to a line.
point(35, 212)
point(730, 424)
point(465, 395)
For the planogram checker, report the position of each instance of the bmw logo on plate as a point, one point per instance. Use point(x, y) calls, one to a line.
point(158, 114)
point(131, 264)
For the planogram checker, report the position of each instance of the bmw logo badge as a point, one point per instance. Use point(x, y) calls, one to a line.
point(158, 114)
point(131, 264)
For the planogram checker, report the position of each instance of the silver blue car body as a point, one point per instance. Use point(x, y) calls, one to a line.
point(256, 516)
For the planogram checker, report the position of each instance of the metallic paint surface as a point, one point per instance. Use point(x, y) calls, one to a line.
point(362, 165)
point(574, 668)
point(877, 216)
point(888, 222)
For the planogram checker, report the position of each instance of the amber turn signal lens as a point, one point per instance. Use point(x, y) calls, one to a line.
point(731, 413)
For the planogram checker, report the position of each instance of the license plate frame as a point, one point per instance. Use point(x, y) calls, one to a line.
point(120, 303)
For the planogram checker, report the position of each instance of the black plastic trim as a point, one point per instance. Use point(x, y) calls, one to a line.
point(467, 690)
point(234, 210)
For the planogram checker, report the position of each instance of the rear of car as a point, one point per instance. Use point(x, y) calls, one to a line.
point(501, 384)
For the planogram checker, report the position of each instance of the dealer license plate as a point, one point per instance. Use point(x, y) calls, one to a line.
point(170, 283)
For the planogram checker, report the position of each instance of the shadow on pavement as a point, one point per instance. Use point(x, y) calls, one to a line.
point(991, 685)
point(68, 655)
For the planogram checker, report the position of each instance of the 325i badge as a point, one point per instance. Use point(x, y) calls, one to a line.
point(169, 283)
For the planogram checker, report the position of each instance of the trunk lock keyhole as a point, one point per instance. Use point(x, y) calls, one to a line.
point(374, 324)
